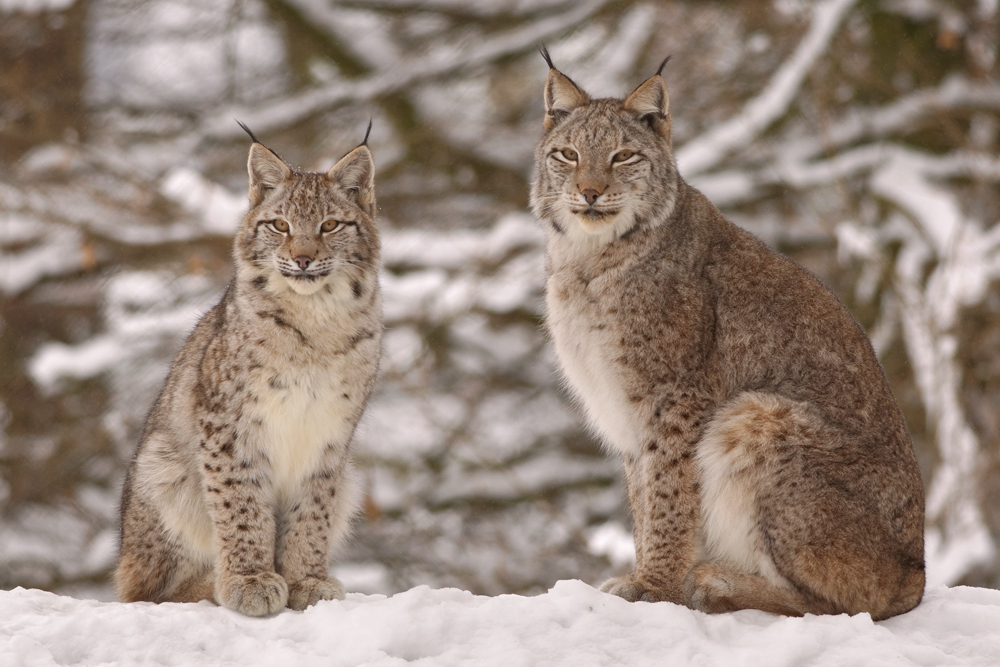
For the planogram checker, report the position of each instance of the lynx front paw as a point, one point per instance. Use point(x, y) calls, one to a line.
point(309, 591)
point(255, 594)
point(630, 588)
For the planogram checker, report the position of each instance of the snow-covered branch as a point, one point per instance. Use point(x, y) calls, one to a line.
point(706, 151)
point(955, 92)
point(442, 61)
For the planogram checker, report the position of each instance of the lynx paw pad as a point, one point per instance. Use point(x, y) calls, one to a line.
point(309, 591)
point(255, 594)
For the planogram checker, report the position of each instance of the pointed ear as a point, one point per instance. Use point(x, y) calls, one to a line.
point(356, 173)
point(267, 171)
point(650, 98)
point(561, 97)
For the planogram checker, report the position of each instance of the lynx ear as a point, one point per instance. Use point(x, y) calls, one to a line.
point(650, 98)
point(356, 173)
point(267, 171)
point(561, 94)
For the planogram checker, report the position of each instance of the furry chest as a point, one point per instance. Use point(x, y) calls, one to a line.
point(302, 412)
point(585, 347)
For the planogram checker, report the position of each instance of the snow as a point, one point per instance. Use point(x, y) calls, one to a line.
point(219, 209)
point(53, 251)
point(142, 308)
point(437, 63)
point(431, 292)
point(174, 54)
point(572, 624)
point(611, 539)
point(55, 360)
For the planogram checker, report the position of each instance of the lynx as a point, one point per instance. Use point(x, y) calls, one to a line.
point(767, 463)
point(242, 484)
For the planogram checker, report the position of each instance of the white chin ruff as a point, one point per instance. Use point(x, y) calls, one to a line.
point(597, 230)
point(305, 287)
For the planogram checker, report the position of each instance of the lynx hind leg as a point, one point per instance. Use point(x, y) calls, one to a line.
point(716, 587)
point(734, 459)
point(790, 523)
point(777, 534)
point(153, 568)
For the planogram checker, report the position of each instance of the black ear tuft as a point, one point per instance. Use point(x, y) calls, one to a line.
point(545, 54)
point(659, 70)
point(364, 142)
point(253, 137)
point(247, 130)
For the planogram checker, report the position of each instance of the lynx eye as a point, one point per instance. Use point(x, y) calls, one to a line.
point(569, 155)
point(279, 226)
point(332, 226)
point(623, 156)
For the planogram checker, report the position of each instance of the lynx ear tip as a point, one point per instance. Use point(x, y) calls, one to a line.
point(542, 49)
point(659, 70)
point(247, 130)
point(364, 142)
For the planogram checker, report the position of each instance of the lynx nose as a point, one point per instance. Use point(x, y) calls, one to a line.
point(303, 261)
point(590, 195)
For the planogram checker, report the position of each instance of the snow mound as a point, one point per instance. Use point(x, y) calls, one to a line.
point(572, 624)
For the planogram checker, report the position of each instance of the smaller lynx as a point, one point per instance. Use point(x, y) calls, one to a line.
point(767, 463)
point(242, 484)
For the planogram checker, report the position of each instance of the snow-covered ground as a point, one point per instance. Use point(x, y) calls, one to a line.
point(572, 624)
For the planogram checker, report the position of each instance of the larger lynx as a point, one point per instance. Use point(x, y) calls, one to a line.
point(242, 484)
point(767, 463)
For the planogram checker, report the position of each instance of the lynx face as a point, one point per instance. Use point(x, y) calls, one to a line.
point(307, 231)
point(604, 166)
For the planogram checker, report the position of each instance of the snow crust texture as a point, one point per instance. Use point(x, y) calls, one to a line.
point(572, 624)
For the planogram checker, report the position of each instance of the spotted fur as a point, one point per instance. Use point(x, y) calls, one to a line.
point(242, 485)
point(767, 463)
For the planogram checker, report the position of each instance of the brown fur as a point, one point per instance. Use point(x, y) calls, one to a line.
point(767, 463)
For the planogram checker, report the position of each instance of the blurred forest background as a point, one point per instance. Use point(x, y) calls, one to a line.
point(861, 137)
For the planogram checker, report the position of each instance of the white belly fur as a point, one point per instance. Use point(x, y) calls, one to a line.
point(591, 374)
point(300, 421)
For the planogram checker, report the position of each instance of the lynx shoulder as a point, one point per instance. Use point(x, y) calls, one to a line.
point(242, 485)
point(768, 465)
